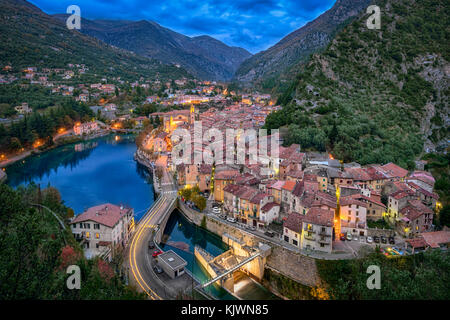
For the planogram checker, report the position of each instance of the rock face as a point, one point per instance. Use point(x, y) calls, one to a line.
point(295, 48)
point(203, 56)
point(375, 96)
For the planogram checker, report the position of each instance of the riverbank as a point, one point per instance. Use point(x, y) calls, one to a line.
point(61, 141)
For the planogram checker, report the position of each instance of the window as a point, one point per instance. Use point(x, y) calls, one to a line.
point(81, 226)
point(286, 238)
point(96, 226)
point(294, 242)
point(97, 235)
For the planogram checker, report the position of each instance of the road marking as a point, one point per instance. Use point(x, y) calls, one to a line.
point(135, 240)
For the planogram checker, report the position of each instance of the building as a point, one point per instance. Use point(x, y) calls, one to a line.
point(172, 264)
point(103, 228)
point(415, 218)
point(85, 128)
point(318, 230)
point(353, 215)
point(292, 229)
point(23, 108)
point(424, 241)
point(221, 179)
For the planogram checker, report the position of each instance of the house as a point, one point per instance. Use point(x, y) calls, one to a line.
point(375, 208)
point(415, 218)
point(353, 213)
point(292, 229)
point(23, 108)
point(423, 179)
point(424, 241)
point(397, 201)
point(269, 212)
point(286, 194)
point(395, 171)
point(221, 179)
point(85, 128)
point(159, 142)
point(103, 228)
point(318, 230)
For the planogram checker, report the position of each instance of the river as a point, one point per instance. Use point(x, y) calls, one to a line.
point(103, 170)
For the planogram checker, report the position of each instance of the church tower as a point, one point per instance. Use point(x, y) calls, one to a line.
point(192, 114)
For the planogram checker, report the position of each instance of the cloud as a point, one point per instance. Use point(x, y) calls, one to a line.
point(252, 24)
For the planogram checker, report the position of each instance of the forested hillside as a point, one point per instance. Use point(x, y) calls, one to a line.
point(375, 96)
point(35, 251)
point(29, 37)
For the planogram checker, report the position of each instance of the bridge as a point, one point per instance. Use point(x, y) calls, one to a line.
point(229, 271)
point(241, 256)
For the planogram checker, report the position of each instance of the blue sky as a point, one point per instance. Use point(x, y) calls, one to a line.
point(252, 24)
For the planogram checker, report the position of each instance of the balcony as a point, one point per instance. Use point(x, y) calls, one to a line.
point(309, 236)
point(324, 234)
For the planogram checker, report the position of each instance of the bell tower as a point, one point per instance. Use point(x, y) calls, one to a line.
point(192, 114)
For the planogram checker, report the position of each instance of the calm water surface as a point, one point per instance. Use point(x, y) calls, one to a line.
point(90, 173)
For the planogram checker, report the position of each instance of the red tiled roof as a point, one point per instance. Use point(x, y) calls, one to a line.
point(434, 239)
point(226, 175)
point(294, 222)
point(319, 216)
point(289, 185)
point(107, 214)
point(268, 206)
point(395, 170)
point(417, 242)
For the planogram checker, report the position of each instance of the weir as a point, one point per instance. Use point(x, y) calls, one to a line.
point(241, 257)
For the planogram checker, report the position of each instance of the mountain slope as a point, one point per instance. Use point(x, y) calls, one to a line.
point(375, 96)
point(29, 37)
point(203, 56)
point(296, 47)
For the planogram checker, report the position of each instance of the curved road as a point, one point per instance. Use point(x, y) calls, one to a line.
point(139, 255)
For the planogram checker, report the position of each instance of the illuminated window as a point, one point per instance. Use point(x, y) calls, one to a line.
point(88, 235)
point(97, 235)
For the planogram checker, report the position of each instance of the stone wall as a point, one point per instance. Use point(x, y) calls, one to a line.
point(287, 262)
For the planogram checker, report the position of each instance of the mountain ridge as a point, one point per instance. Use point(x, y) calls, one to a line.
point(203, 56)
point(29, 36)
point(278, 61)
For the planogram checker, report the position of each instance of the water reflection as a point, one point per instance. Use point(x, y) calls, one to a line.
point(90, 173)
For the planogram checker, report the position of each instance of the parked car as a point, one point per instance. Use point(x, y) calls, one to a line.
point(349, 237)
point(249, 227)
point(355, 238)
point(151, 244)
point(342, 236)
point(269, 233)
point(158, 269)
point(230, 219)
point(156, 253)
point(383, 239)
point(223, 216)
point(376, 239)
point(391, 240)
point(369, 239)
point(216, 210)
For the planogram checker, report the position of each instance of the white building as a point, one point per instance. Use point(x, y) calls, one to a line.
point(85, 128)
point(103, 228)
point(317, 231)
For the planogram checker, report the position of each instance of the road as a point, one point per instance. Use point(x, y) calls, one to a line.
point(139, 255)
